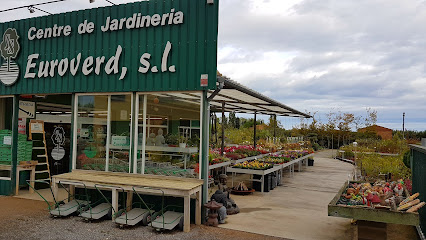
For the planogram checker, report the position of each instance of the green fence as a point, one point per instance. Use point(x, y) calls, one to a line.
point(418, 168)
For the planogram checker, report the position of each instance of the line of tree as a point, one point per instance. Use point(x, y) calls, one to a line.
point(341, 128)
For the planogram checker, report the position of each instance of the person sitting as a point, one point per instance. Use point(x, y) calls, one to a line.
point(231, 206)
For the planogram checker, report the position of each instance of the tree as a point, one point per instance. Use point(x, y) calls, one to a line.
point(371, 118)
point(232, 120)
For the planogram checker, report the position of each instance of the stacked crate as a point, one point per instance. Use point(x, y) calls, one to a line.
point(25, 148)
point(5, 150)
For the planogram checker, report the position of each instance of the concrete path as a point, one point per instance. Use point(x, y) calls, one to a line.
point(298, 208)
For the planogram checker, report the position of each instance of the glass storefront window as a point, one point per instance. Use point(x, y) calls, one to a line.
point(169, 134)
point(166, 133)
point(103, 132)
point(119, 146)
point(92, 119)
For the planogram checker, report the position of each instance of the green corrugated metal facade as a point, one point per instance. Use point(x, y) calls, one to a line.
point(193, 52)
point(418, 170)
point(5, 187)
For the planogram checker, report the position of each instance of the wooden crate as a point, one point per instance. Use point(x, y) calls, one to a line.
point(369, 214)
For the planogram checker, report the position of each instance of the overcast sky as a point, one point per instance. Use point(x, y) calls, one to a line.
point(317, 55)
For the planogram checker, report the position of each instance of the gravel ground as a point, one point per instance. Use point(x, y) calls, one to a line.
point(29, 219)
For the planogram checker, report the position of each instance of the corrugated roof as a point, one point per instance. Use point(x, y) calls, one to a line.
point(241, 99)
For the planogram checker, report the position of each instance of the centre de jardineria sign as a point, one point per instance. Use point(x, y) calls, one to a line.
point(143, 46)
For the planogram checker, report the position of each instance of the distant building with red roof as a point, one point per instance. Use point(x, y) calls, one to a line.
point(384, 133)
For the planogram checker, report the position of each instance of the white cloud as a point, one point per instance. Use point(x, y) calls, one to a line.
point(346, 55)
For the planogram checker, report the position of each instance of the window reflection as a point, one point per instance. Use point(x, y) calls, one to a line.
point(172, 130)
point(92, 132)
point(95, 129)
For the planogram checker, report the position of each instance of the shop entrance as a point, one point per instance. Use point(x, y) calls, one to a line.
point(53, 113)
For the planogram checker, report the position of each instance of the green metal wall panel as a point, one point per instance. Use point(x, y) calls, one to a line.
point(194, 49)
point(5, 187)
point(419, 180)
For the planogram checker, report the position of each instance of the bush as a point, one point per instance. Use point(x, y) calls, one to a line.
point(374, 164)
point(349, 155)
point(406, 159)
point(315, 146)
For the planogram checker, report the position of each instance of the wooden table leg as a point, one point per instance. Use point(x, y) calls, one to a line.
point(186, 213)
point(300, 166)
point(32, 179)
point(72, 192)
point(233, 179)
point(262, 182)
point(198, 208)
point(129, 201)
point(55, 188)
point(114, 201)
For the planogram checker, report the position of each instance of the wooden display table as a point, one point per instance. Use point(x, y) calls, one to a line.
point(171, 186)
point(20, 168)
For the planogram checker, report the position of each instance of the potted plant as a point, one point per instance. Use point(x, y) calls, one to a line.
point(172, 139)
point(182, 141)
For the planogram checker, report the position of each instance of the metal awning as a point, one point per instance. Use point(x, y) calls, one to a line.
point(240, 99)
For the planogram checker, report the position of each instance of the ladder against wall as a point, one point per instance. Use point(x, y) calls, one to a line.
point(38, 136)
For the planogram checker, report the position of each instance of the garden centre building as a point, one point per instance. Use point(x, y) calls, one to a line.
point(126, 88)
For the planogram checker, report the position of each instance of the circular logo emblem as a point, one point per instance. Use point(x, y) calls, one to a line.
point(58, 138)
point(9, 49)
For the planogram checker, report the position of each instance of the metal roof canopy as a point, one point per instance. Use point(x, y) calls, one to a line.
point(240, 99)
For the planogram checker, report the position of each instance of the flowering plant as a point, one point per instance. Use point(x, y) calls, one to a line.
point(257, 165)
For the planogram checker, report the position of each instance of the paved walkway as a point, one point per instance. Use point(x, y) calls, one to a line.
point(298, 208)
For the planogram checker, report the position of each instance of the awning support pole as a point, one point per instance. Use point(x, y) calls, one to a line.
point(275, 127)
point(222, 149)
point(215, 129)
point(204, 151)
point(254, 138)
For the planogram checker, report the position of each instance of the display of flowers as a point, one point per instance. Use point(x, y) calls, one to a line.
point(217, 160)
point(239, 152)
point(256, 165)
point(276, 160)
point(291, 154)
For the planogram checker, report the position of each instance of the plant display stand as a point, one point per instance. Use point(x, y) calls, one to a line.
point(261, 173)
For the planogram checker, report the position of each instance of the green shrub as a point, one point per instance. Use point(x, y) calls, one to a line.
point(406, 159)
point(349, 155)
point(374, 164)
point(315, 146)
